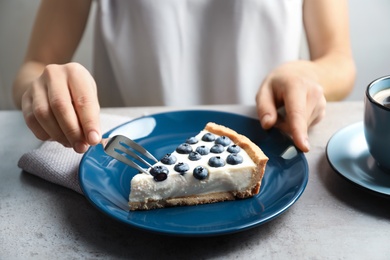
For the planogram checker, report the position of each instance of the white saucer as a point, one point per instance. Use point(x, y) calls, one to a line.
point(348, 154)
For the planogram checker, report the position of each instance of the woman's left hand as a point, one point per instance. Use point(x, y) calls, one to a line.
point(291, 99)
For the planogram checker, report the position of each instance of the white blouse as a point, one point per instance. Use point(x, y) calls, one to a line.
point(190, 52)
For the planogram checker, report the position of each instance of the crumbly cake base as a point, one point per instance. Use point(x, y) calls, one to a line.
point(186, 201)
point(254, 152)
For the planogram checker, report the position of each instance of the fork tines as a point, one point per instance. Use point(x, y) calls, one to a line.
point(117, 146)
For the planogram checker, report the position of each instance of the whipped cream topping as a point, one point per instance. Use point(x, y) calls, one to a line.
point(220, 179)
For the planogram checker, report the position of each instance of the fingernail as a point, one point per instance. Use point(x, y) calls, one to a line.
point(93, 137)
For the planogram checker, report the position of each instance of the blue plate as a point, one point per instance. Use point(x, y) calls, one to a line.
point(348, 154)
point(106, 181)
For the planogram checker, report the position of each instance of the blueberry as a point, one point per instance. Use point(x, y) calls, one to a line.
point(234, 149)
point(194, 156)
point(216, 161)
point(223, 140)
point(234, 159)
point(203, 150)
point(169, 159)
point(208, 137)
point(181, 167)
point(184, 148)
point(217, 148)
point(159, 172)
point(160, 177)
point(192, 140)
point(200, 173)
point(158, 169)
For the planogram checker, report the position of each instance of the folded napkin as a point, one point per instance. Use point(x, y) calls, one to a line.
point(58, 164)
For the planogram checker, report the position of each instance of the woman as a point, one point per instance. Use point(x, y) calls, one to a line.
point(176, 52)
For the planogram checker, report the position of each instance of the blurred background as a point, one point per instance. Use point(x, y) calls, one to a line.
point(370, 35)
point(16, 21)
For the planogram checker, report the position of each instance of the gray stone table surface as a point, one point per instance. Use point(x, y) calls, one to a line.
point(333, 219)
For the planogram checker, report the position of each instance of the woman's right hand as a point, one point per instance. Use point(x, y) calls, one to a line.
point(62, 105)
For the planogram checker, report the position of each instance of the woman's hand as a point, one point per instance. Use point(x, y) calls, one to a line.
point(292, 100)
point(62, 105)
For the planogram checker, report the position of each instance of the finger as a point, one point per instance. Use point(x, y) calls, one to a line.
point(60, 103)
point(295, 105)
point(318, 106)
point(31, 120)
point(266, 107)
point(86, 104)
point(42, 112)
point(320, 115)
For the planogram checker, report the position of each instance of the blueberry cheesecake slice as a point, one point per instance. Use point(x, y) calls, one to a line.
point(216, 165)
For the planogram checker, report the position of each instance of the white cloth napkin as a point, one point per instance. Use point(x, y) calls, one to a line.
point(58, 164)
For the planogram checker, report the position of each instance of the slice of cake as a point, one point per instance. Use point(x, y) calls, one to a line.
point(216, 165)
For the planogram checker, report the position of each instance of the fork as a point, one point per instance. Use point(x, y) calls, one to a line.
point(119, 145)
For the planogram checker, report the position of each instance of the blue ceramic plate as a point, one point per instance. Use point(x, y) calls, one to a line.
point(348, 154)
point(106, 182)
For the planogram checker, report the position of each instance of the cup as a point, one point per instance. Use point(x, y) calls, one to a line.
point(377, 121)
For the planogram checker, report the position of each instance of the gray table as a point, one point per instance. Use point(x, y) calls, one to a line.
point(333, 219)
